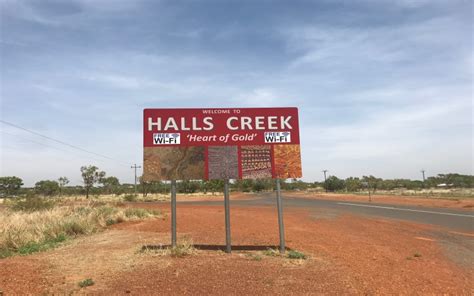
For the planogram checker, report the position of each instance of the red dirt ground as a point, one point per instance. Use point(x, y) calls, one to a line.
point(348, 255)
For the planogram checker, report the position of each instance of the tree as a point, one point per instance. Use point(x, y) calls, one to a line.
point(353, 184)
point(372, 182)
point(62, 181)
point(91, 175)
point(10, 185)
point(110, 184)
point(452, 180)
point(333, 183)
point(47, 187)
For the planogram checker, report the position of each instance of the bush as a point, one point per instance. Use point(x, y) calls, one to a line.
point(32, 204)
point(130, 197)
point(73, 228)
point(86, 283)
point(296, 255)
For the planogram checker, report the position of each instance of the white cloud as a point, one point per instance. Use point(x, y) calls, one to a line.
point(384, 44)
point(259, 97)
point(118, 81)
point(391, 141)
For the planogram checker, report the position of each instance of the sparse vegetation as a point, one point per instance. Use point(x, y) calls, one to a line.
point(255, 257)
point(33, 247)
point(292, 254)
point(184, 248)
point(25, 231)
point(417, 255)
point(141, 213)
point(86, 283)
point(31, 204)
point(271, 252)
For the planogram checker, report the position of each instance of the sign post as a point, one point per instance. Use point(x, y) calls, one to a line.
point(221, 144)
point(173, 213)
point(227, 216)
point(281, 226)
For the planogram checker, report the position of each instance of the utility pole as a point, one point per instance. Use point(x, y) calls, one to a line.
point(135, 167)
point(423, 173)
point(325, 171)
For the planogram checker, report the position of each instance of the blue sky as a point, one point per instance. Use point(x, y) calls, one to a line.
point(383, 87)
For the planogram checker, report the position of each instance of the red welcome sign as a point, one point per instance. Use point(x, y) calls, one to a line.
point(242, 126)
point(224, 143)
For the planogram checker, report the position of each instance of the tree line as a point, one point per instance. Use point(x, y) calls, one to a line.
point(96, 182)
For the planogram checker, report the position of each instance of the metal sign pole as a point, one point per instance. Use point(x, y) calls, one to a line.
point(227, 216)
point(173, 213)
point(280, 217)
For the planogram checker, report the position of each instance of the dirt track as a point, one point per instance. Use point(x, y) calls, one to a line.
point(348, 254)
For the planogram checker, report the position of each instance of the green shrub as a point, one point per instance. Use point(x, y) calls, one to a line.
point(296, 255)
point(110, 221)
point(130, 197)
point(5, 252)
point(33, 247)
point(86, 283)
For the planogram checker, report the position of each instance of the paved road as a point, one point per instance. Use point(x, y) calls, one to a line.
point(454, 219)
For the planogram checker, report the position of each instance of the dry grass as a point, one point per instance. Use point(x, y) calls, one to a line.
point(183, 248)
point(22, 232)
point(112, 198)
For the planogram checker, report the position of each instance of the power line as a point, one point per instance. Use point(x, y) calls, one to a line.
point(58, 141)
point(43, 144)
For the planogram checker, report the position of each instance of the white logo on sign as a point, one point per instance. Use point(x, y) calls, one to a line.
point(277, 137)
point(166, 139)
